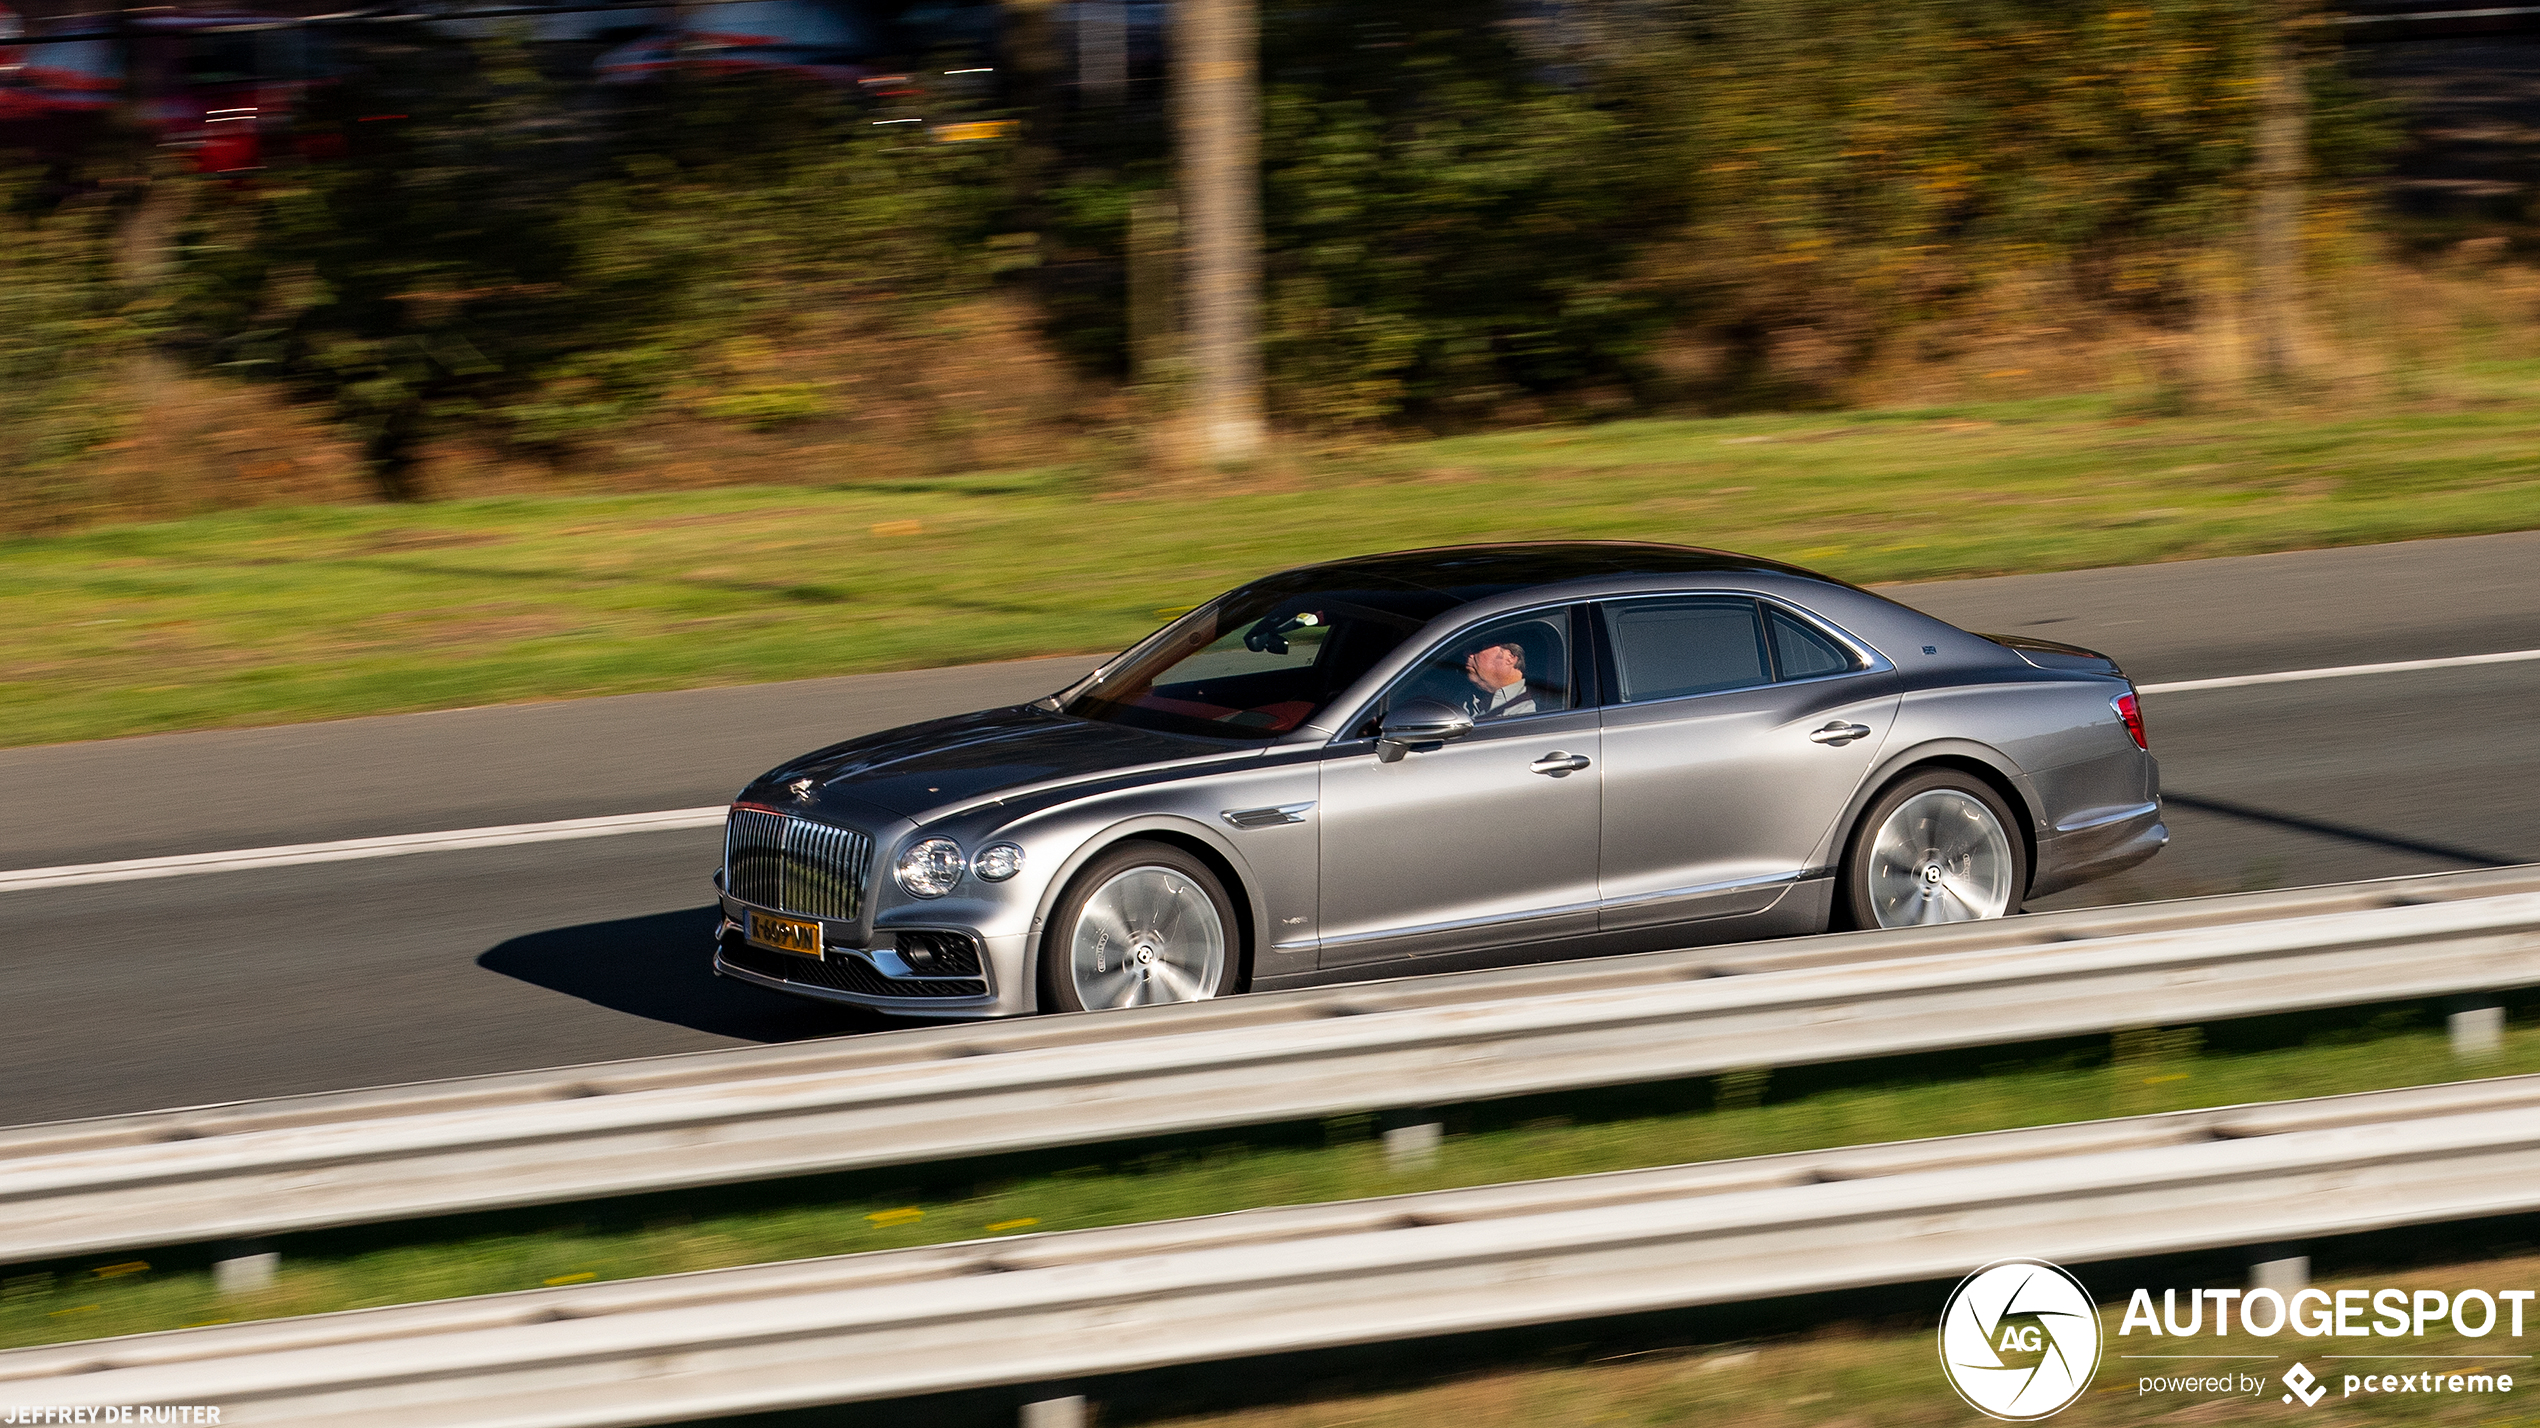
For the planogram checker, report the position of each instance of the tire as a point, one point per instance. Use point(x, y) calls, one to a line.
point(1141, 925)
point(1938, 846)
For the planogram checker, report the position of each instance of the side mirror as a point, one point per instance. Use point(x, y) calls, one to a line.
point(1419, 726)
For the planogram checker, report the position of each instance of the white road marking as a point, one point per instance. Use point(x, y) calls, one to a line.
point(348, 849)
point(2295, 676)
point(397, 845)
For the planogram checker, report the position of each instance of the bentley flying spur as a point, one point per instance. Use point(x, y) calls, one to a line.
point(1438, 760)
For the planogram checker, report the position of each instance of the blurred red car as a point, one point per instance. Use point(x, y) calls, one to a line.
point(206, 85)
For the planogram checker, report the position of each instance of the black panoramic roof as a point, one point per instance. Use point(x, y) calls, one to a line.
point(1475, 572)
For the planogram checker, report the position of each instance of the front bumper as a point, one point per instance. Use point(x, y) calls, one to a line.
point(877, 978)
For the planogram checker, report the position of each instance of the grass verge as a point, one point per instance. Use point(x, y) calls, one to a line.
point(293, 613)
point(1884, 1375)
point(1747, 1114)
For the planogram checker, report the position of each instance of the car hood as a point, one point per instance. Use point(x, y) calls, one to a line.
point(920, 768)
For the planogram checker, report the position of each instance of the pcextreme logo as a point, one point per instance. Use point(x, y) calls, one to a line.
point(2019, 1340)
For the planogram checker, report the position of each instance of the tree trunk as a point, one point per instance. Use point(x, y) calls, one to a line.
point(1218, 118)
point(2282, 156)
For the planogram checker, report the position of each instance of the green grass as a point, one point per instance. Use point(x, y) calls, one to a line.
point(293, 613)
point(2270, 1059)
point(1889, 1377)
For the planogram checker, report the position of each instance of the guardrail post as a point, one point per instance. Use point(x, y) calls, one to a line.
point(2477, 1031)
point(2285, 1276)
point(1068, 1412)
point(1411, 1138)
point(245, 1269)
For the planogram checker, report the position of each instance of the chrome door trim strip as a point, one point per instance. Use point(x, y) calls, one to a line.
point(1459, 925)
point(1700, 889)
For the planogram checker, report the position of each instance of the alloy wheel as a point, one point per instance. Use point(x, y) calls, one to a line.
point(1146, 935)
point(1941, 856)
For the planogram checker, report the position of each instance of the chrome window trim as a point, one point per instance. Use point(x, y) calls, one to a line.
point(1871, 661)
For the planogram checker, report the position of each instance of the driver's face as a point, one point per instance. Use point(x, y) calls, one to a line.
point(1492, 667)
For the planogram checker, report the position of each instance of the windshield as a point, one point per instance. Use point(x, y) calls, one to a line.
point(1263, 660)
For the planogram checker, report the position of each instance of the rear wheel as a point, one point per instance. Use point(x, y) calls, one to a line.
point(1938, 847)
point(1143, 924)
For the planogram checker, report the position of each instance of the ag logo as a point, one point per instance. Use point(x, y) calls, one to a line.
point(2019, 1339)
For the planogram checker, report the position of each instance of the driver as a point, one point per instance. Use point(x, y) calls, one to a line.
point(1499, 672)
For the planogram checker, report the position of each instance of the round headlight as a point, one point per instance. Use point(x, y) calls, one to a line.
point(997, 862)
point(931, 868)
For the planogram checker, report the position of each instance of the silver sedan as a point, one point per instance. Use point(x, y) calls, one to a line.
point(1437, 760)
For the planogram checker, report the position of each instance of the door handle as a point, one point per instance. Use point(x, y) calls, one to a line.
point(1839, 733)
point(1558, 763)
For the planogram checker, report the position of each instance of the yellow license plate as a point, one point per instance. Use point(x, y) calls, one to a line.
point(785, 934)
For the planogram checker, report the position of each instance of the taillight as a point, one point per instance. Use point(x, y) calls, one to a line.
point(2132, 714)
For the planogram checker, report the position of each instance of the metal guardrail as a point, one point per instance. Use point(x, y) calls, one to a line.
point(2370, 21)
point(1037, 1308)
point(260, 1168)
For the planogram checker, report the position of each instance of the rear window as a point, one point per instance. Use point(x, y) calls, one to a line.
point(1804, 653)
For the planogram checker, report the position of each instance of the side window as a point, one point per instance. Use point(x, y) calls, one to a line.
point(1801, 652)
point(1666, 649)
point(1503, 670)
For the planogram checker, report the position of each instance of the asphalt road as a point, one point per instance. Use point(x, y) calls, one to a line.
point(125, 996)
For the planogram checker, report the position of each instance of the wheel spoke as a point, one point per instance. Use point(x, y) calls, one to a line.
point(1972, 903)
point(1951, 905)
point(1954, 838)
point(1102, 991)
point(1155, 895)
point(1100, 919)
point(1895, 846)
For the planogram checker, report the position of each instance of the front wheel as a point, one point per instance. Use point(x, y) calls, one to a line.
point(1938, 847)
point(1143, 924)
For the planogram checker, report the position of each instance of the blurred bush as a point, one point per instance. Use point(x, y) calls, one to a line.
point(1484, 211)
point(1864, 169)
point(1448, 229)
point(537, 268)
point(63, 342)
point(1476, 211)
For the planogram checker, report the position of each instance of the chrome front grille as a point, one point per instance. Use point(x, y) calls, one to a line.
point(824, 870)
point(795, 865)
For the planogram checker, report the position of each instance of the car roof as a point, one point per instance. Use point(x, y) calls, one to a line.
point(1476, 572)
